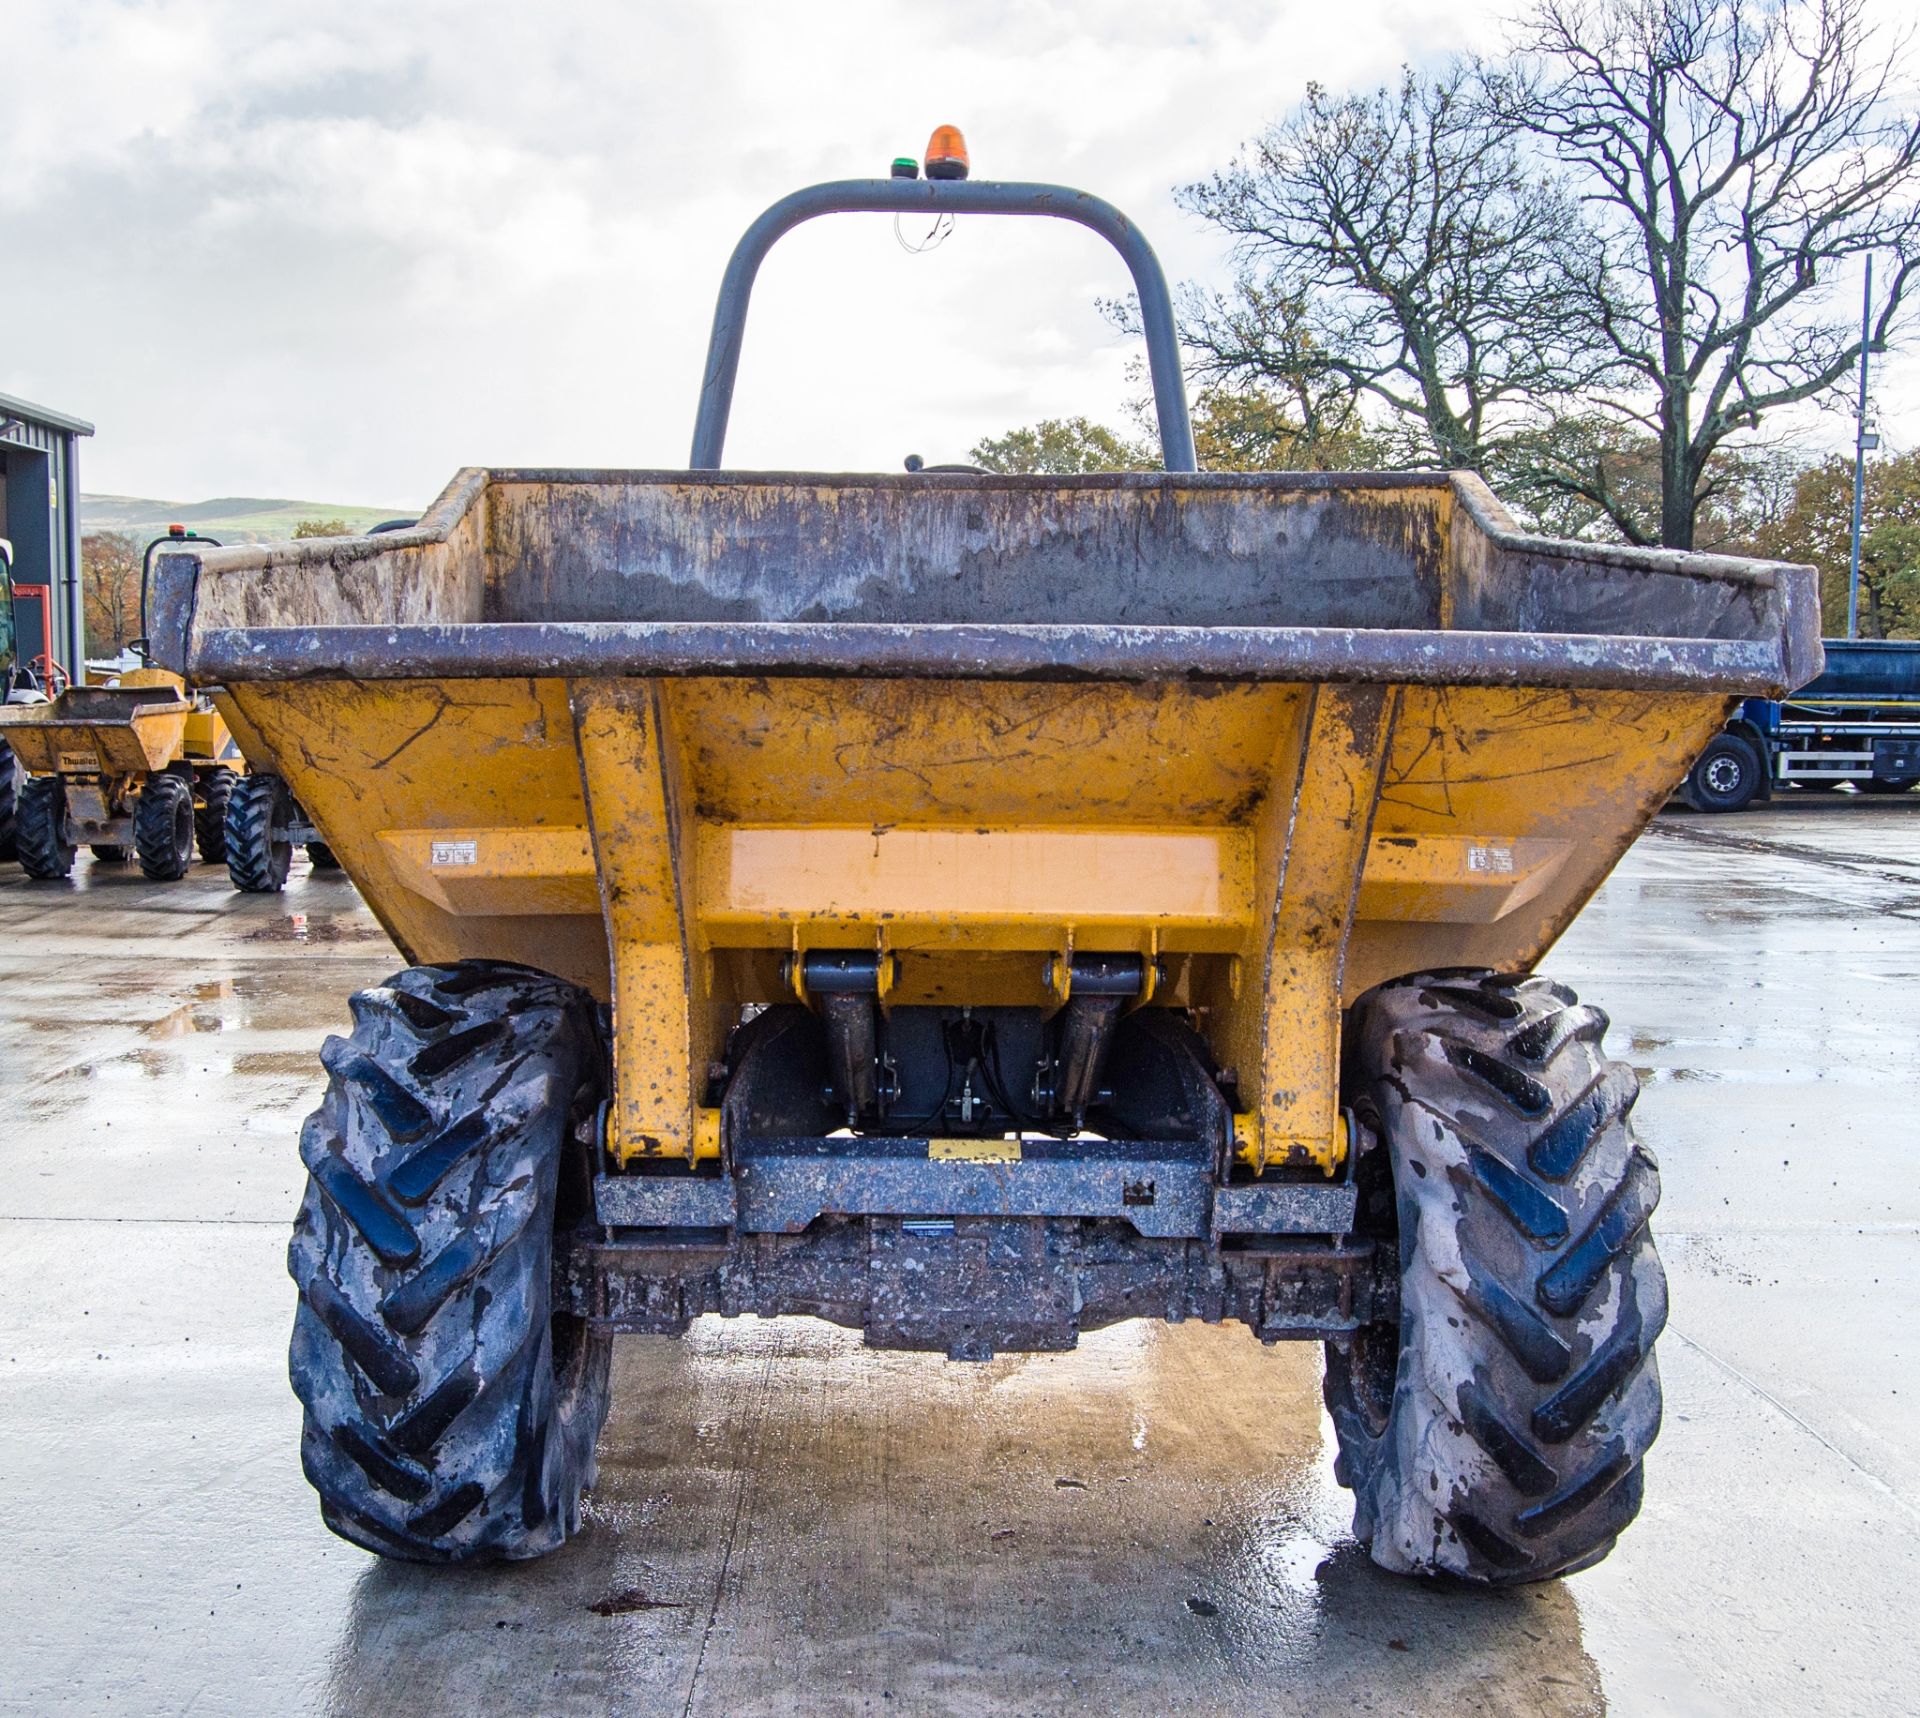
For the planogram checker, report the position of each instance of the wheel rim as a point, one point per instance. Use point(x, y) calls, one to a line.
point(1724, 775)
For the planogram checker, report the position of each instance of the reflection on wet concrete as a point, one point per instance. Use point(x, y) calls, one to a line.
point(785, 1522)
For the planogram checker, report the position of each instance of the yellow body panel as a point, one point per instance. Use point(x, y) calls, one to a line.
point(1278, 848)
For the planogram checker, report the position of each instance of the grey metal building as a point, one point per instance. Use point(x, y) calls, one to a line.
point(40, 515)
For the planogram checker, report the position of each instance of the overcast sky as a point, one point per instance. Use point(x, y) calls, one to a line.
point(336, 251)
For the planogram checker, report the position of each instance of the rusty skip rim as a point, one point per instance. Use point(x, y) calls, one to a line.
point(875, 651)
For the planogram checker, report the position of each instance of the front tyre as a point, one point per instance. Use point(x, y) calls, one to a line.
point(1496, 1433)
point(163, 828)
point(451, 1411)
point(43, 833)
point(12, 779)
point(210, 814)
point(1726, 776)
point(259, 810)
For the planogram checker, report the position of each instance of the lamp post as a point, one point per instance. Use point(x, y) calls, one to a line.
point(1861, 442)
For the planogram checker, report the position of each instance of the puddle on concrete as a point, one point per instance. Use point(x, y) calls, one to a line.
point(199, 1013)
point(1669, 1076)
point(313, 928)
point(286, 1064)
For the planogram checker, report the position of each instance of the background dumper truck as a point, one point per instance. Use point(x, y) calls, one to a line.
point(136, 766)
point(975, 910)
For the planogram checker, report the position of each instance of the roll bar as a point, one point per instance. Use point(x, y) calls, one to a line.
point(943, 197)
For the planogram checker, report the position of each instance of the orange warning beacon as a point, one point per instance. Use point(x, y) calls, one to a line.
point(946, 153)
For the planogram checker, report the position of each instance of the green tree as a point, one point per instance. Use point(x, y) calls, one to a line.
point(1254, 429)
point(1581, 474)
point(322, 528)
point(1234, 429)
point(1062, 447)
point(1818, 527)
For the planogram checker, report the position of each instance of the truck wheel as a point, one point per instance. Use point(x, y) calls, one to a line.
point(210, 815)
point(110, 852)
point(42, 834)
point(320, 856)
point(163, 828)
point(1889, 784)
point(451, 1411)
point(1726, 776)
point(9, 801)
point(1496, 1432)
point(258, 851)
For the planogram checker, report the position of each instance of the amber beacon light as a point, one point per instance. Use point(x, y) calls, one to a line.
point(946, 156)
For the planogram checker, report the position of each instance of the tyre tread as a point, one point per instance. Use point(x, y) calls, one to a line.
point(254, 866)
point(157, 815)
point(41, 839)
point(210, 815)
point(1527, 1393)
point(437, 1428)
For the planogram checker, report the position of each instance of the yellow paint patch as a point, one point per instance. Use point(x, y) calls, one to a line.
point(981, 888)
point(973, 1151)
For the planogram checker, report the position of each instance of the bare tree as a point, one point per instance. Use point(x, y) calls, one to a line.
point(1733, 155)
point(1397, 248)
point(1591, 474)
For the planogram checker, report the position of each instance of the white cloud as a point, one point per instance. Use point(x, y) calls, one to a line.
point(278, 249)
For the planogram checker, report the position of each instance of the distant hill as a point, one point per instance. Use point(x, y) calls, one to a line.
point(231, 518)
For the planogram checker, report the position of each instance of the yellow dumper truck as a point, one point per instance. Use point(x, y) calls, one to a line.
point(976, 909)
point(141, 768)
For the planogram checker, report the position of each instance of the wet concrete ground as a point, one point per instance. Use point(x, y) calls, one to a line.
point(788, 1523)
